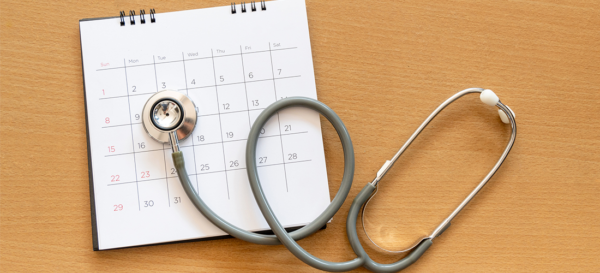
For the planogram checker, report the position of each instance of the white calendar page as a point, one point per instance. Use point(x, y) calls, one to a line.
point(232, 66)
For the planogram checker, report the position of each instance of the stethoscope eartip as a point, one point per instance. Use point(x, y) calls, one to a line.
point(503, 115)
point(489, 97)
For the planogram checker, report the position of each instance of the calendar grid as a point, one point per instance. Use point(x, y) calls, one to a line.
point(219, 113)
point(132, 140)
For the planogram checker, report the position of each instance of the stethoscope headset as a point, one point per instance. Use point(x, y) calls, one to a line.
point(170, 116)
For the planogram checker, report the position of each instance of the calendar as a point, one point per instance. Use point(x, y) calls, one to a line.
point(232, 66)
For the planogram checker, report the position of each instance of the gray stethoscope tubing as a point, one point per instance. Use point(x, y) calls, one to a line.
point(288, 239)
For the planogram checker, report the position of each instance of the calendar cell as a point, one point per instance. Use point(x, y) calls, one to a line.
point(205, 100)
point(142, 142)
point(153, 195)
point(123, 199)
point(228, 69)
point(150, 165)
point(260, 94)
point(114, 112)
point(271, 128)
point(235, 155)
point(177, 196)
point(118, 170)
point(274, 182)
point(137, 105)
point(282, 67)
point(213, 188)
point(141, 79)
point(117, 141)
point(170, 76)
point(235, 126)
point(268, 151)
point(257, 66)
point(199, 73)
point(241, 197)
point(209, 158)
point(290, 87)
point(297, 186)
point(232, 98)
point(294, 149)
point(291, 123)
point(207, 130)
point(110, 83)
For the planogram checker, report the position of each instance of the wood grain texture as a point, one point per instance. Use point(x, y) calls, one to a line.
point(383, 66)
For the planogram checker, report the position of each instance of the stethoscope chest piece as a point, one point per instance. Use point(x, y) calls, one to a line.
point(169, 111)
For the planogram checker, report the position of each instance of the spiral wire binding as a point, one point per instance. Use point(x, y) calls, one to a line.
point(122, 15)
point(142, 16)
point(132, 16)
point(263, 6)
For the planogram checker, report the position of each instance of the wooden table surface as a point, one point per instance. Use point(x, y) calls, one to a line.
point(383, 66)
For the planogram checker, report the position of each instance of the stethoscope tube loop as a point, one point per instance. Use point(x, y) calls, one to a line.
point(335, 204)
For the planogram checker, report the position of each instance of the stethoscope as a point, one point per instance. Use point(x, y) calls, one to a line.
point(170, 116)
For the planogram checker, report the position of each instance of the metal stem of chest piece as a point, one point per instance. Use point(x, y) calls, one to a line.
point(174, 141)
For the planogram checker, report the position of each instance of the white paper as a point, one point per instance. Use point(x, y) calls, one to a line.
point(232, 66)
